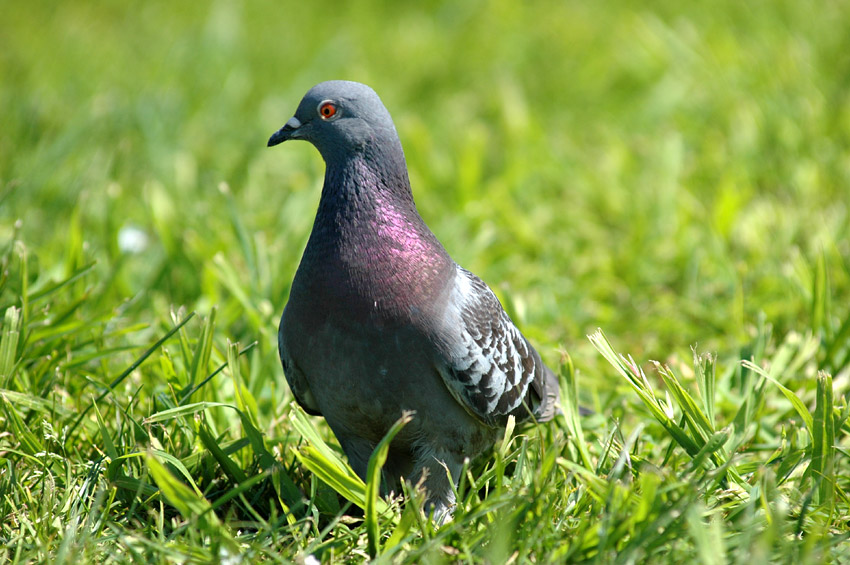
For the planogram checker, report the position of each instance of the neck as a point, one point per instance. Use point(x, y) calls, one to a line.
point(368, 193)
point(368, 232)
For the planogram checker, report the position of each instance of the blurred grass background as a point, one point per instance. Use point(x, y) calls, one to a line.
point(677, 175)
point(673, 170)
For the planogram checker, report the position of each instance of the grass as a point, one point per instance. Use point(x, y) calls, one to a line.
point(676, 175)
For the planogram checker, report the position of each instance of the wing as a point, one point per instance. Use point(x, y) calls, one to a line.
point(488, 366)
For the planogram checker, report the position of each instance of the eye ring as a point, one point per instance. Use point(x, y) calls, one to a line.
point(328, 110)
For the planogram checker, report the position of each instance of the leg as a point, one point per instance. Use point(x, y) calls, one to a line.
point(358, 451)
point(438, 470)
point(398, 463)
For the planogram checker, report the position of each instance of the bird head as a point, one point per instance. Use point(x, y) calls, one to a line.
point(339, 117)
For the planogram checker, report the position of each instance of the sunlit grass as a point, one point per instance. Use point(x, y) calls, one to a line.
point(675, 175)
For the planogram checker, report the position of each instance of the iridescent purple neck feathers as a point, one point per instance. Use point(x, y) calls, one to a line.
point(368, 228)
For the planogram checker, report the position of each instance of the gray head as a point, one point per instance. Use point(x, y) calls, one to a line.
point(340, 118)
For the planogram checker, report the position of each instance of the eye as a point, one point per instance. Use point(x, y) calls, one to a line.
point(328, 110)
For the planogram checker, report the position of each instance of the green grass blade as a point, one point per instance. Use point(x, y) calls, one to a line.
point(230, 468)
point(597, 486)
point(323, 461)
point(301, 422)
point(714, 444)
point(232, 280)
point(9, 344)
point(373, 483)
point(708, 537)
point(86, 358)
point(405, 523)
point(25, 285)
point(160, 454)
point(191, 504)
point(697, 420)
point(209, 377)
point(823, 443)
point(635, 377)
point(344, 481)
point(128, 371)
point(820, 297)
point(52, 288)
point(244, 399)
point(203, 349)
point(29, 442)
point(798, 405)
point(837, 344)
point(255, 437)
point(571, 409)
point(37, 403)
point(183, 411)
point(109, 445)
point(705, 367)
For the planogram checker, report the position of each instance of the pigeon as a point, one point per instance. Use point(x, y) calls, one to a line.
point(381, 321)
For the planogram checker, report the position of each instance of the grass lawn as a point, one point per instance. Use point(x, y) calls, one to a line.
point(677, 175)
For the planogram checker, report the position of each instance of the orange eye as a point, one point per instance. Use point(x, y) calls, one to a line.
point(327, 110)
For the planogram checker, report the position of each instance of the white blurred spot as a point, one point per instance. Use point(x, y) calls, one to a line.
point(132, 239)
point(226, 557)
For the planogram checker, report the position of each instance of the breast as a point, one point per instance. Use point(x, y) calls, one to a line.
point(357, 321)
point(363, 376)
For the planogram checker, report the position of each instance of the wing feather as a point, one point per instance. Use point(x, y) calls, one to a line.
point(488, 365)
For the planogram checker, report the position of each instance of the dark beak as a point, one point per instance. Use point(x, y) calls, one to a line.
point(288, 131)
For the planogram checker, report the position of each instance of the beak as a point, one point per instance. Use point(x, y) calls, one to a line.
point(288, 131)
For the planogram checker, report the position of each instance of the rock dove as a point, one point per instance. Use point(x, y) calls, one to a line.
point(381, 320)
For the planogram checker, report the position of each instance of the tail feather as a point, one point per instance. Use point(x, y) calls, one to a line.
point(550, 397)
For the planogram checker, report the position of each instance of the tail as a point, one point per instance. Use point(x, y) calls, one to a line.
point(550, 395)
